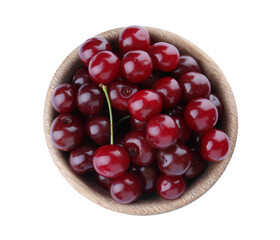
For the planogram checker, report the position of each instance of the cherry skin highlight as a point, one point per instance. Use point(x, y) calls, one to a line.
point(136, 124)
point(81, 77)
point(144, 104)
point(66, 132)
point(217, 102)
point(214, 145)
point(201, 115)
point(103, 181)
point(64, 98)
point(134, 38)
point(91, 47)
point(162, 132)
point(110, 161)
point(186, 64)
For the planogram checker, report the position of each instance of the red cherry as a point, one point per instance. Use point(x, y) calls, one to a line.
point(170, 188)
point(197, 166)
point(66, 132)
point(98, 128)
point(80, 159)
point(126, 188)
point(195, 139)
point(136, 124)
point(169, 90)
point(195, 85)
point(187, 64)
point(104, 67)
point(136, 66)
point(103, 181)
point(90, 99)
point(217, 102)
point(120, 92)
point(81, 77)
point(134, 38)
point(110, 161)
point(149, 82)
point(201, 115)
point(214, 145)
point(165, 56)
point(184, 130)
point(174, 161)
point(177, 111)
point(162, 132)
point(91, 47)
point(140, 152)
point(64, 98)
point(145, 104)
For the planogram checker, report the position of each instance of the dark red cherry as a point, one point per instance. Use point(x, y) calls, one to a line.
point(136, 66)
point(201, 115)
point(177, 111)
point(174, 161)
point(144, 104)
point(134, 38)
point(195, 85)
point(64, 98)
point(184, 130)
point(186, 64)
point(217, 102)
point(214, 145)
point(126, 188)
point(170, 188)
point(120, 92)
point(170, 91)
point(165, 56)
point(140, 151)
point(136, 124)
point(66, 132)
point(81, 77)
point(197, 166)
point(110, 161)
point(80, 159)
point(104, 67)
point(149, 82)
point(162, 132)
point(98, 128)
point(195, 139)
point(103, 181)
point(91, 47)
point(90, 99)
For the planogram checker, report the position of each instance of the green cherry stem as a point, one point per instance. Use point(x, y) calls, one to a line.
point(122, 119)
point(104, 88)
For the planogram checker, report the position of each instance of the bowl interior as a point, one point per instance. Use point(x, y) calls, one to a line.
point(87, 186)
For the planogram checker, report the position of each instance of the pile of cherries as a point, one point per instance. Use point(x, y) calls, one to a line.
point(157, 103)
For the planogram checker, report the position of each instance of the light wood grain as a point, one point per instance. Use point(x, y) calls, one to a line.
point(89, 188)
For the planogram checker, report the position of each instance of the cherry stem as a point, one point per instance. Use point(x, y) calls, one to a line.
point(104, 88)
point(123, 119)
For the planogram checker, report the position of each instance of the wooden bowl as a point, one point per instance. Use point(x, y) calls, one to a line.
point(88, 187)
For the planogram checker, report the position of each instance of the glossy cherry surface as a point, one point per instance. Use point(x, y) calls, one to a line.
point(186, 64)
point(165, 56)
point(140, 151)
point(144, 104)
point(104, 67)
point(136, 124)
point(80, 159)
point(170, 91)
point(217, 102)
point(126, 188)
point(64, 98)
point(103, 181)
point(170, 188)
point(195, 85)
point(177, 111)
point(90, 99)
point(184, 130)
point(110, 161)
point(91, 47)
point(174, 161)
point(214, 145)
point(120, 92)
point(134, 38)
point(197, 166)
point(201, 115)
point(98, 128)
point(66, 132)
point(162, 132)
point(136, 66)
point(81, 77)
point(149, 82)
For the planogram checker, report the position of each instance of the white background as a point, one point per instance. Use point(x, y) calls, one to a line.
point(242, 37)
